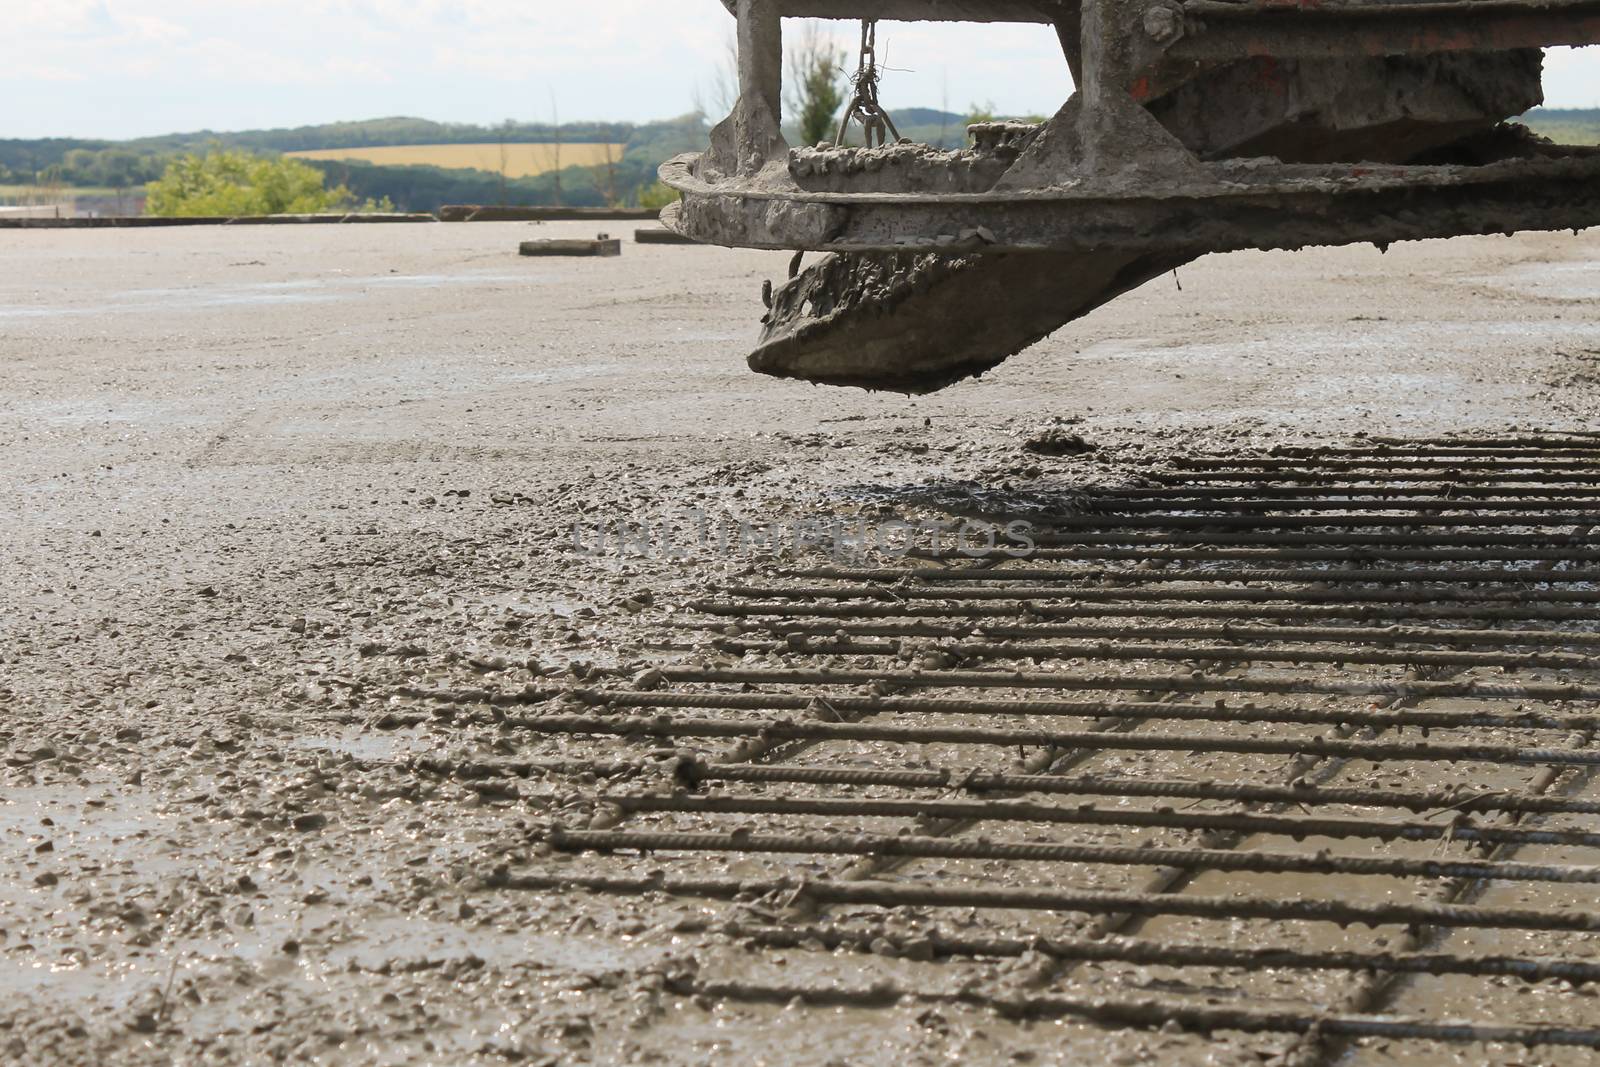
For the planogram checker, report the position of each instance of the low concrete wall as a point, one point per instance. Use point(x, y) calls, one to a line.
point(35, 211)
point(148, 221)
point(488, 213)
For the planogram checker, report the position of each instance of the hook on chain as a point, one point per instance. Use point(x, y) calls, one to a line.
point(864, 108)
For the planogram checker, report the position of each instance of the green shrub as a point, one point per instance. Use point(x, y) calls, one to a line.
point(656, 196)
point(233, 183)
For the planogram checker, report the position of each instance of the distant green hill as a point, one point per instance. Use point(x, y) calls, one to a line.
point(77, 163)
point(117, 165)
point(1569, 126)
point(390, 131)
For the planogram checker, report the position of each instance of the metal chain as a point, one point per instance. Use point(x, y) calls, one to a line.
point(877, 126)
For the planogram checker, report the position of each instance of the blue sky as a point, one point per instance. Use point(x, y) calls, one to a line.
point(125, 68)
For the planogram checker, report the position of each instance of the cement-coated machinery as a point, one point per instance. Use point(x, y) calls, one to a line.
point(1196, 126)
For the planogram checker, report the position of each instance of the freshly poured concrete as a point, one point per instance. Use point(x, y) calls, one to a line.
point(260, 481)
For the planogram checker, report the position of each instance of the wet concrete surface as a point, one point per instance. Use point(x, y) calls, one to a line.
point(264, 484)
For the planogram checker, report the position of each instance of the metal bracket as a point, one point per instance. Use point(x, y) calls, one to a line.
point(1115, 134)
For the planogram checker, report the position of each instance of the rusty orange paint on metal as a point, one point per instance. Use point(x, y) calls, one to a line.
point(1449, 41)
point(1381, 41)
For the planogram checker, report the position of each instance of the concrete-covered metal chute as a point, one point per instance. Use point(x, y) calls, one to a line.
point(1197, 126)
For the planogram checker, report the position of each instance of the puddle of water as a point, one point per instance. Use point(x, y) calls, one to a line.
point(366, 745)
point(259, 294)
point(405, 280)
point(407, 939)
point(100, 410)
point(22, 810)
point(1561, 281)
point(533, 605)
point(574, 372)
point(175, 300)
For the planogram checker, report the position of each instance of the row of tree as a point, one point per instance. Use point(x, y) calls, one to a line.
point(112, 168)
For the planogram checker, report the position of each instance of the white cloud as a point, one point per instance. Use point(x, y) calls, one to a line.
point(69, 18)
point(1572, 77)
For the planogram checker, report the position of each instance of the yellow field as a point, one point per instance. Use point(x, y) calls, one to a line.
point(514, 160)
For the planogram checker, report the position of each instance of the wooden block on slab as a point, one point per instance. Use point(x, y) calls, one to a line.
point(659, 236)
point(483, 213)
point(599, 246)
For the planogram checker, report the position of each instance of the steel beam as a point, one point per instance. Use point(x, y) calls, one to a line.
point(1218, 31)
